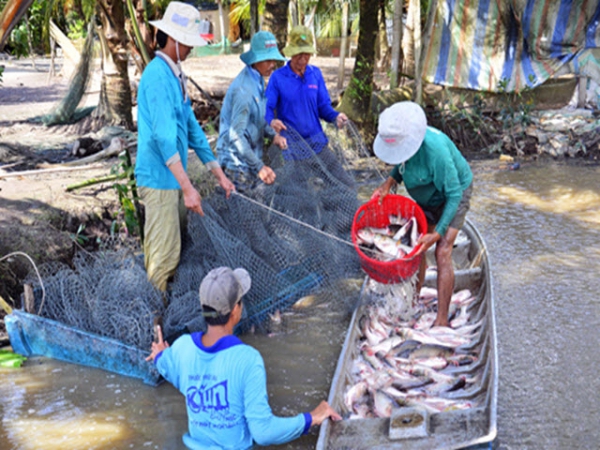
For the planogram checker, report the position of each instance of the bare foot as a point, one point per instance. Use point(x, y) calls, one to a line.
point(440, 323)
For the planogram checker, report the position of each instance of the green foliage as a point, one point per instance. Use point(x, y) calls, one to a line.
point(78, 237)
point(77, 30)
point(17, 44)
point(9, 359)
point(209, 128)
point(466, 122)
point(474, 124)
point(359, 89)
point(1, 71)
point(129, 214)
point(516, 106)
point(240, 12)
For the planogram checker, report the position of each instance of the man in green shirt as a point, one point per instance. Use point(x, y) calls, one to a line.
point(436, 176)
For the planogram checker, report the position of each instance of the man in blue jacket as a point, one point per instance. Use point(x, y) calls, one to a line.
point(297, 97)
point(223, 379)
point(167, 127)
point(436, 176)
point(243, 127)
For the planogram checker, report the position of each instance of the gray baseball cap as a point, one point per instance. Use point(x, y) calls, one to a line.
point(222, 288)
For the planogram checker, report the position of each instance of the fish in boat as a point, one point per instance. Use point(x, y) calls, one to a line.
point(442, 394)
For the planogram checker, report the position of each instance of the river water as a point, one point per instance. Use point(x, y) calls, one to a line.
point(542, 228)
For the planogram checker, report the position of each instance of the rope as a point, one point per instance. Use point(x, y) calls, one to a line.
point(36, 271)
point(304, 224)
point(299, 222)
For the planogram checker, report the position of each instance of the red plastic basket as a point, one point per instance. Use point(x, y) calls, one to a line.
point(372, 214)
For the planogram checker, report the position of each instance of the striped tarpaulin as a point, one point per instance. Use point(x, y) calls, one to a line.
point(496, 45)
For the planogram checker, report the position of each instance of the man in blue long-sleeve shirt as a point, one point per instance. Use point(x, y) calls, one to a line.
point(297, 97)
point(436, 176)
point(223, 379)
point(243, 128)
point(167, 127)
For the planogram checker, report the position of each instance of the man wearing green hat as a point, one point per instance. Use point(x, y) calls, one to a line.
point(297, 97)
point(243, 126)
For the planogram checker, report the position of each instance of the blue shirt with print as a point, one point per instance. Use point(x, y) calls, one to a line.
point(225, 387)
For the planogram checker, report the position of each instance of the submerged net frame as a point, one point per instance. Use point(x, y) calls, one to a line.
point(293, 237)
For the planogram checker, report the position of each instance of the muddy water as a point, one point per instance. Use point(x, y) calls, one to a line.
point(542, 228)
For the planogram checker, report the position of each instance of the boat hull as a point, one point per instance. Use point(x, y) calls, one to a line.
point(34, 335)
point(411, 427)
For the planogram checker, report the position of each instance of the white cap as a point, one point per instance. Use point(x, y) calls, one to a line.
point(400, 132)
point(182, 22)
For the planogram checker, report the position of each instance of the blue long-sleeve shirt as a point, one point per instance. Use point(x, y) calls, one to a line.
point(167, 128)
point(300, 101)
point(243, 127)
point(225, 387)
point(437, 174)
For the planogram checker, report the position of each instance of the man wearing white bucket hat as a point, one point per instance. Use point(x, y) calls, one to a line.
point(243, 126)
point(167, 127)
point(224, 380)
point(436, 176)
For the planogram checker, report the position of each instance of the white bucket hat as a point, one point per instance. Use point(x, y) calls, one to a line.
point(182, 22)
point(400, 132)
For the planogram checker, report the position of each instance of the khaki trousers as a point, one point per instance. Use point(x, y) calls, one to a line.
point(166, 219)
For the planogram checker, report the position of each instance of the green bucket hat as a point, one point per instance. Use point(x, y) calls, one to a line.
point(300, 41)
point(263, 47)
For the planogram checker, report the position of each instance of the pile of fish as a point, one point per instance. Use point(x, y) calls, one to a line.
point(392, 242)
point(409, 362)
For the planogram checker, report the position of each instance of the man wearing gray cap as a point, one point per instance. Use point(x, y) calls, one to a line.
point(437, 177)
point(167, 127)
point(224, 380)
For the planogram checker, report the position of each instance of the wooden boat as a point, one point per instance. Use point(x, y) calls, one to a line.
point(413, 427)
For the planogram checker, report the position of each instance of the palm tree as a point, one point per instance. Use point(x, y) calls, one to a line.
point(275, 19)
point(114, 106)
point(356, 100)
point(115, 93)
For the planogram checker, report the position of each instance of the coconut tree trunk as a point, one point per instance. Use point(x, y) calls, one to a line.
point(10, 16)
point(383, 53)
point(396, 45)
point(416, 4)
point(275, 20)
point(342, 65)
point(115, 92)
point(147, 32)
point(254, 22)
point(222, 26)
point(294, 12)
point(408, 38)
point(422, 54)
point(357, 97)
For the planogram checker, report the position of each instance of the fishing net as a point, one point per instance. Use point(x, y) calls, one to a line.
point(293, 237)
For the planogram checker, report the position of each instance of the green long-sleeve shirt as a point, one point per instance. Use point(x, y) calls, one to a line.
point(438, 173)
